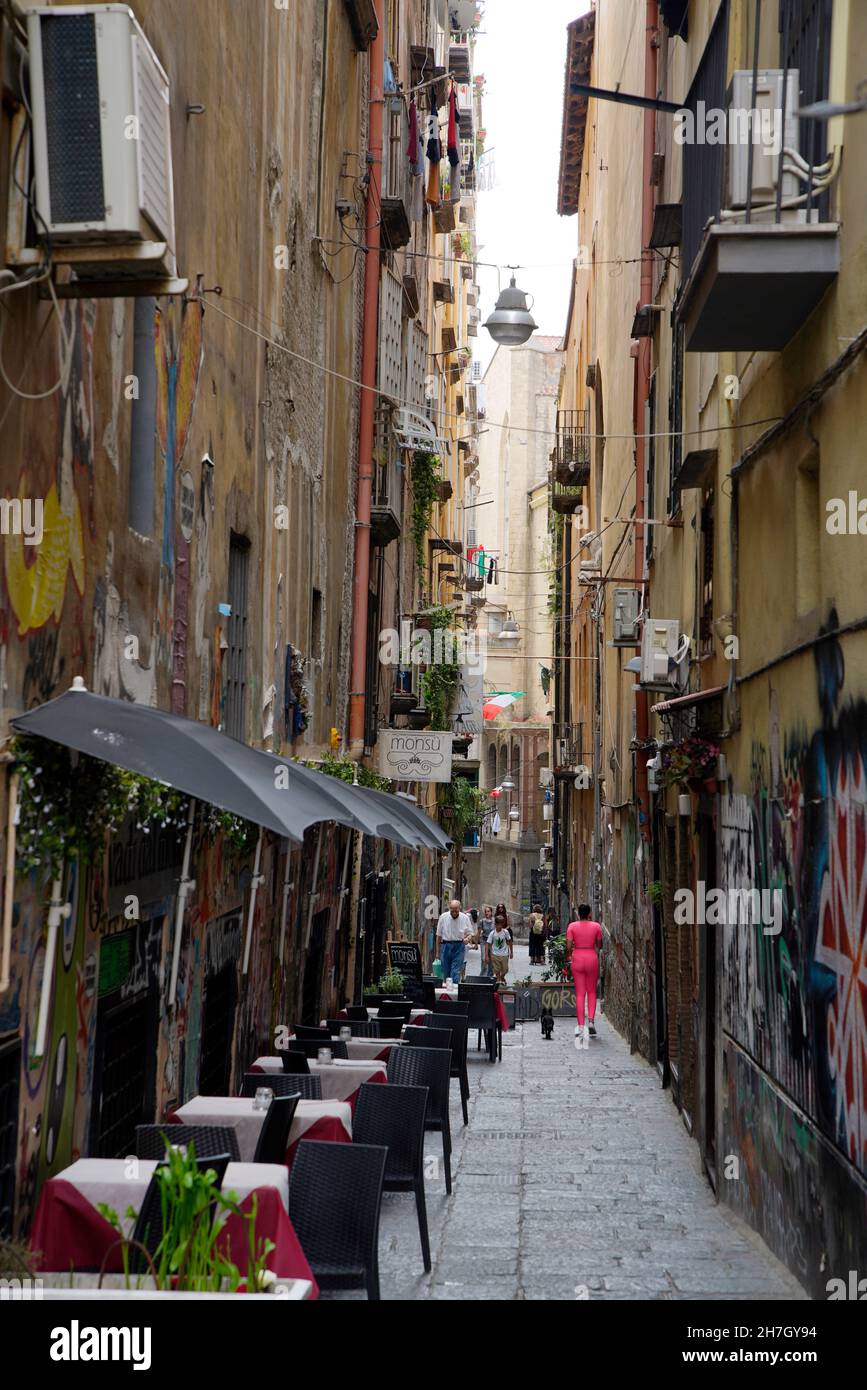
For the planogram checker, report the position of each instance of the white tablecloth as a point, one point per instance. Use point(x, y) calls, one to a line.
point(122, 1182)
point(362, 1049)
point(340, 1079)
point(238, 1112)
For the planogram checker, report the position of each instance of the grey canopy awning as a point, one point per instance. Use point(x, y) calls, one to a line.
point(194, 758)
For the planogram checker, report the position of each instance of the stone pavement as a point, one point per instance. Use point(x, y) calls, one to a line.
point(574, 1179)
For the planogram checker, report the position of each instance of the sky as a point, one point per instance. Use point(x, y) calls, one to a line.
point(521, 49)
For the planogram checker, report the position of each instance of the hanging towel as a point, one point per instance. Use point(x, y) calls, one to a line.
point(434, 154)
point(454, 149)
point(492, 572)
point(415, 156)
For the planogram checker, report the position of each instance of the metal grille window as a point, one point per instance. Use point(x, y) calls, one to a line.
point(123, 1100)
point(805, 44)
point(10, 1071)
point(417, 370)
point(703, 163)
point(707, 537)
point(650, 455)
point(675, 417)
point(236, 656)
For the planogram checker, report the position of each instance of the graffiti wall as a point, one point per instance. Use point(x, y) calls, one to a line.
point(794, 1000)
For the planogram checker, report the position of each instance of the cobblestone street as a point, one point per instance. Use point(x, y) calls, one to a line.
point(575, 1170)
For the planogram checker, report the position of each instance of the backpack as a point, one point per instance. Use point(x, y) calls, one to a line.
point(538, 925)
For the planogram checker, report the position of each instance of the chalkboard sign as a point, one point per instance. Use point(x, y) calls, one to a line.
point(405, 957)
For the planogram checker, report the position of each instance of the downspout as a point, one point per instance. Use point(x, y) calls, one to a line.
point(58, 911)
point(364, 490)
point(255, 882)
point(642, 380)
point(9, 884)
point(185, 888)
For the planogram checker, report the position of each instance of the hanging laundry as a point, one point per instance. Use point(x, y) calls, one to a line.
point(481, 563)
point(415, 156)
point(434, 154)
point(454, 149)
point(496, 823)
point(492, 572)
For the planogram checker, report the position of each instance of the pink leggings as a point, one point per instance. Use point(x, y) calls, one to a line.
point(585, 971)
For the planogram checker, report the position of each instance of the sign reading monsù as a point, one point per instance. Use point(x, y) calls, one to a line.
point(412, 757)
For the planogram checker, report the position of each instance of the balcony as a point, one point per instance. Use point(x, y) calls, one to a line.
point(568, 755)
point(362, 18)
point(754, 285)
point(387, 505)
point(570, 457)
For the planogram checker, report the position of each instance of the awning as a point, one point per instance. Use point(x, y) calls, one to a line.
point(430, 835)
point(696, 697)
point(209, 766)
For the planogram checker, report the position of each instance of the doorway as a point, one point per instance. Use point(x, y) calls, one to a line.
point(708, 958)
point(218, 1027)
point(311, 990)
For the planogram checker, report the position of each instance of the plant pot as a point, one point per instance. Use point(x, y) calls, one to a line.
point(402, 701)
point(461, 746)
point(695, 784)
point(710, 785)
point(419, 718)
point(423, 623)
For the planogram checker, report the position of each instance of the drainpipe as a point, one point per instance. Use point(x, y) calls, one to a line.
point(9, 885)
point(642, 384)
point(257, 879)
point(364, 490)
point(185, 888)
point(58, 911)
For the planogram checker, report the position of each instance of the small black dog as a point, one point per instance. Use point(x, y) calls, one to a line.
point(547, 1021)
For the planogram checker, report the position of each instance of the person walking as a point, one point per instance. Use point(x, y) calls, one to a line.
point(454, 928)
point(500, 948)
point(583, 940)
point(486, 926)
point(536, 923)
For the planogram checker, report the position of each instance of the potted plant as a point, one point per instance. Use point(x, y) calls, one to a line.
point(419, 718)
point(692, 762)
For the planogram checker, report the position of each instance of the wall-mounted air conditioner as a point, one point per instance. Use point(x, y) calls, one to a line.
point(662, 653)
point(101, 136)
point(774, 124)
point(627, 618)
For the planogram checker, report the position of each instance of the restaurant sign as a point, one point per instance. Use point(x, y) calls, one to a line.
point(405, 756)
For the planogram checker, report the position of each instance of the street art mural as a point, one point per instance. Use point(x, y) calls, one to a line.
point(795, 1003)
point(179, 350)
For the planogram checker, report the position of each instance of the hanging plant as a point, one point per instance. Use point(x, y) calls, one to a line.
point(425, 474)
point(345, 769)
point(239, 835)
point(462, 807)
point(440, 681)
point(693, 759)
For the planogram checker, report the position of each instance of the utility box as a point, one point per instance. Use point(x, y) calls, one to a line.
point(774, 124)
point(101, 134)
point(627, 618)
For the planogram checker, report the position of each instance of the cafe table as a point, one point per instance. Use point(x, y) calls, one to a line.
point(314, 1119)
point(341, 1080)
point(69, 1231)
point(359, 1049)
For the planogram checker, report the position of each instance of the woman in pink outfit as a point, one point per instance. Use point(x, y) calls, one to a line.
point(583, 940)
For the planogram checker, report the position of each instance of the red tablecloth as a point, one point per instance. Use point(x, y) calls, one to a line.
point(372, 1080)
point(500, 1010)
point(70, 1233)
point(329, 1129)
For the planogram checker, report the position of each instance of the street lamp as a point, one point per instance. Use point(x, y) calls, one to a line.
point(509, 632)
point(511, 323)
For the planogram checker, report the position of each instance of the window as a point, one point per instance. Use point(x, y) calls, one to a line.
point(805, 44)
point(675, 418)
point(650, 456)
point(236, 655)
point(707, 542)
point(140, 513)
point(513, 878)
point(492, 765)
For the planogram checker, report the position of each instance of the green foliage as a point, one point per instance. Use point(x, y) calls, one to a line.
point(194, 1210)
point(391, 983)
point(655, 891)
point(693, 757)
point(558, 959)
point(66, 810)
point(440, 681)
point(462, 807)
point(426, 477)
point(345, 769)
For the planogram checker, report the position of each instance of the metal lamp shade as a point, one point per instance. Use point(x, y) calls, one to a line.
point(511, 323)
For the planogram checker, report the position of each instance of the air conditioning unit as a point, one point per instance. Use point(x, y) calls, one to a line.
point(101, 139)
point(661, 653)
point(627, 618)
point(773, 124)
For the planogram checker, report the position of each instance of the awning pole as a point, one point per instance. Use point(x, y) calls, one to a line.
point(58, 911)
point(341, 895)
point(313, 894)
point(284, 911)
point(9, 884)
point(254, 888)
point(185, 887)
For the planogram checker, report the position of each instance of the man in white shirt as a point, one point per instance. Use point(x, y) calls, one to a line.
point(453, 929)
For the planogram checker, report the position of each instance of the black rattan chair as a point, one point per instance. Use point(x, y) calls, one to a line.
point(386, 1027)
point(274, 1135)
point(295, 1063)
point(457, 1024)
point(430, 1067)
point(310, 1034)
point(148, 1229)
point(357, 1028)
point(394, 1116)
point(482, 1016)
point(356, 1013)
point(307, 1087)
point(335, 1195)
point(451, 1006)
point(209, 1140)
point(311, 1049)
point(396, 1008)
